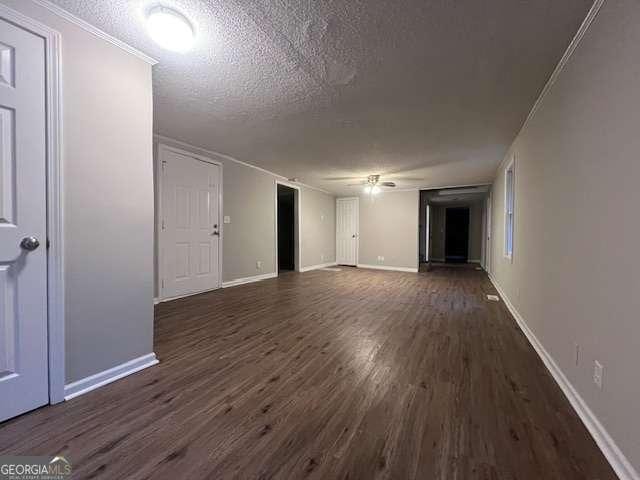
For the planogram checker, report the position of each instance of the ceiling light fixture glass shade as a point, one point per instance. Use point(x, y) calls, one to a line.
point(371, 190)
point(170, 29)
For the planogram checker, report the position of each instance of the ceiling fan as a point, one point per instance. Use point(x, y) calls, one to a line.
point(372, 184)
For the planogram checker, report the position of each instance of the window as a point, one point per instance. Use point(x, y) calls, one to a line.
point(509, 203)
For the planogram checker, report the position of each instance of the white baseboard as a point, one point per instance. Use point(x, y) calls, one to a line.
point(97, 380)
point(177, 297)
point(607, 445)
point(242, 281)
point(388, 267)
point(316, 267)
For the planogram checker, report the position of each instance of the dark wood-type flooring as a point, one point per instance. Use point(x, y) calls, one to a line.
point(357, 374)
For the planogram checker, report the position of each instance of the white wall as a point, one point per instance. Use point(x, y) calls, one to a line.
point(108, 199)
point(574, 276)
point(389, 228)
point(249, 199)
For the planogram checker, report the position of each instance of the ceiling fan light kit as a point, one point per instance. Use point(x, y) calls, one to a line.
point(373, 185)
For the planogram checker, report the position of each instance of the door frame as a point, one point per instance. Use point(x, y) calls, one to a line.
point(298, 217)
point(163, 148)
point(488, 234)
point(54, 208)
point(357, 199)
point(427, 231)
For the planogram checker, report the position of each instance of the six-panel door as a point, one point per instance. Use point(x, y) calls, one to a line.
point(347, 231)
point(23, 287)
point(191, 224)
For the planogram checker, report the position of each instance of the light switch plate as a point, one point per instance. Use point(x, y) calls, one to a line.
point(227, 219)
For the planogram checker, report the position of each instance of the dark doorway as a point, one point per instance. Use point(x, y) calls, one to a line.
point(286, 228)
point(456, 243)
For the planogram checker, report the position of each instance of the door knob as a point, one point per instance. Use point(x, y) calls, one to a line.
point(30, 243)
point(216, 233)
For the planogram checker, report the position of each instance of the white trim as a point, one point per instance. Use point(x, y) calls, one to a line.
point(510, 166)
point(385, 267)
point(162, 148)
point(607, 445)
point(298, 213)
point(427, 230)
point(255, 278)
point(55, 205)
point(475, 260)
point(577, 38)
point(100, 379)
point(316, 267)
point(70, 17)
point(487, 240)
point(164, 139)
point(156, 301)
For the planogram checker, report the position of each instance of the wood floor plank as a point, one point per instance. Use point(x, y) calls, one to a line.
point(356, 374)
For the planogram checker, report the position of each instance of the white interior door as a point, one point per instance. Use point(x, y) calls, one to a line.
point(191, 224)
point(23, 284)
point(347, 231)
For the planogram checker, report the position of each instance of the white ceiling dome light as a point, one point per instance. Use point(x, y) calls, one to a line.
point(170, 29)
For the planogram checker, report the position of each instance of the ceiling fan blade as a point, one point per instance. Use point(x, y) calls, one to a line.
point(387, 184)
point(340, 179)
point(409, 179)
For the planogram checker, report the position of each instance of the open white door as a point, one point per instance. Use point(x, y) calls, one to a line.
point(190, 225)
point(23, 274)
point(347, 211)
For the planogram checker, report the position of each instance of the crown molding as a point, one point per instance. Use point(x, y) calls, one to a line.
point(204, 151)
point(584, 27)
point(70, 17)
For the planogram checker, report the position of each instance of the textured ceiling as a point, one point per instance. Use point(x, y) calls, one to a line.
point(424, 92)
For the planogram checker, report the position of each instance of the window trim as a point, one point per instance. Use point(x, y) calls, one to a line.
point(511, 167)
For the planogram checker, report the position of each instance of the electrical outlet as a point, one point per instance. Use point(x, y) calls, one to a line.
point(322, 257)
point(598, 372)
point(380, 258)
point(258, 265)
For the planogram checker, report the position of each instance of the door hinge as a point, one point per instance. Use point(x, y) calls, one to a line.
point(162, 224)
point(47, 243)
point(164, 163)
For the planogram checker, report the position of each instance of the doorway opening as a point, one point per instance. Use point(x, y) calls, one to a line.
point(451, 226)
point(287, 228)
point(456, 243)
